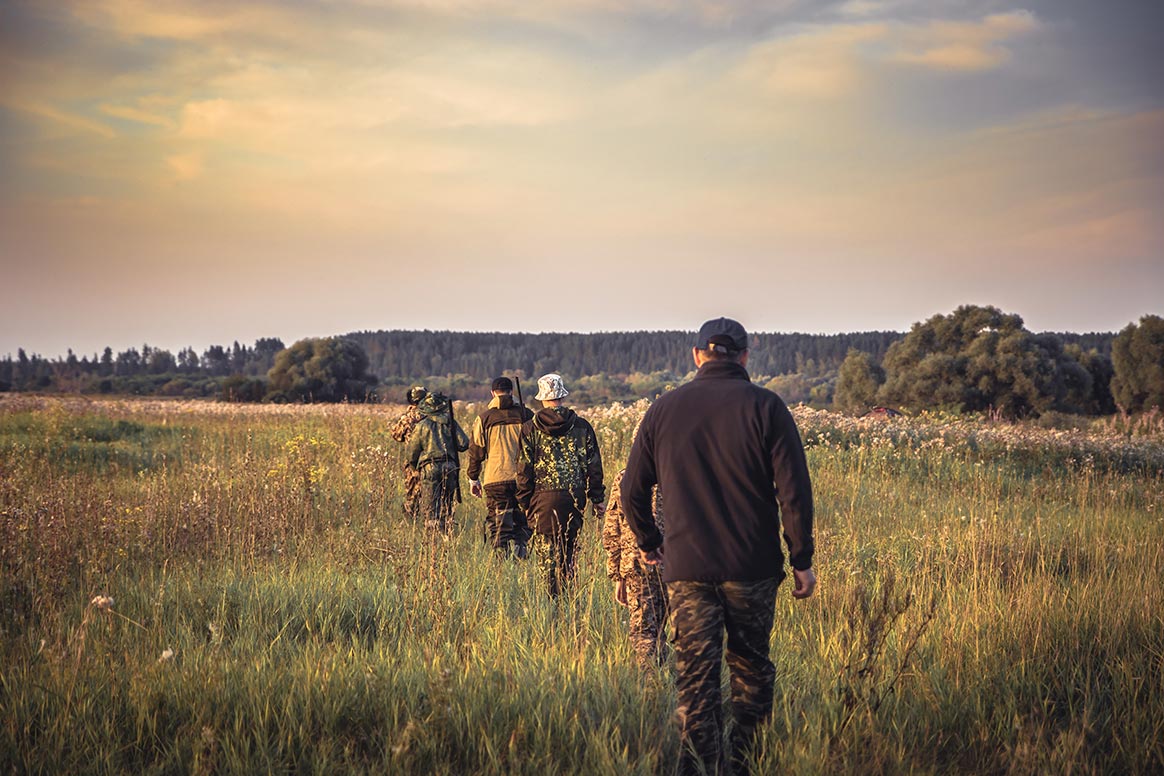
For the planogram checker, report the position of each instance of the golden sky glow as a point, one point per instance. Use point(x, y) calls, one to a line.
point(185, 172)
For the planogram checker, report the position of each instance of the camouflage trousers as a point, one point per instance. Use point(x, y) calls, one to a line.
point(646, 599)
point(439, 491)
point(558, 521)
point(506, 529)
point(411, 492)
point(701, 612)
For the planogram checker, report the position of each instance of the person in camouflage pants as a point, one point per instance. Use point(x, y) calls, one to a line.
point(637, 585)
point(401, 430)
point(560, 469)
point(730, 465)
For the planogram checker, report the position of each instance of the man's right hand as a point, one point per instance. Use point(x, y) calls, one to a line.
point(475, 488)
point(805, 583)
point(620, 592)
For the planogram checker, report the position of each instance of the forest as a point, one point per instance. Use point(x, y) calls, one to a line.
point(976, 358)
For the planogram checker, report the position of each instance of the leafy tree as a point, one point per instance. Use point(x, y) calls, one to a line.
point(161, 361)
point(1137, 357)
point(216, 360)
point(128, 362)
point(239, 388)
point(329, 369)
point(1098, 365)
point(979, 358)
point(857, 382)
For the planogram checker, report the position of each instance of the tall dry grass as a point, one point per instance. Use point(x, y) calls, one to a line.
point(989, 601)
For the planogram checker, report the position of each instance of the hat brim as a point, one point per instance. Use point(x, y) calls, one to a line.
point(551, 396)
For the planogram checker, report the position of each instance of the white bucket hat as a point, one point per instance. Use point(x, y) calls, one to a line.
point(551, 387)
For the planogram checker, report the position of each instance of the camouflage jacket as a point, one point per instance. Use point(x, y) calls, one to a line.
point(622, 550)
point(437, 438)
point(559, 452)
point(402, 428)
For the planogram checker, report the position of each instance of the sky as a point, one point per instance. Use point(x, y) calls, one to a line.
point(196, 172)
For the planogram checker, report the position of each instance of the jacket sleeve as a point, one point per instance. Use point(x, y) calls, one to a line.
point(637, 484)
point(595, 489)
point(400, 427)
point(793, 489)
point(612, 533)
point(476, 449)
point(460, 440)
point(525, 467)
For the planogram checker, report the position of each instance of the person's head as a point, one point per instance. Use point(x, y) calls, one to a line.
point(502, 386)
point(415, 394)
point(721, 339)
point(551, 390)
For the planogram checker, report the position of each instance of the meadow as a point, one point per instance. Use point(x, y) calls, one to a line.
point(194, 587)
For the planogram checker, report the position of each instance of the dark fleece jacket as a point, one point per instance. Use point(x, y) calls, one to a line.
point(723, 452)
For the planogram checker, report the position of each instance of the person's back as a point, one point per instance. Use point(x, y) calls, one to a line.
point(494, 446)
point(719, 444)
point(560, 448)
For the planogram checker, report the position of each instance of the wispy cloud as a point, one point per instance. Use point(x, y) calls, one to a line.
point(968, 46)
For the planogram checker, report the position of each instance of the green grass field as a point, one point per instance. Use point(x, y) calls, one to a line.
point(991, 600)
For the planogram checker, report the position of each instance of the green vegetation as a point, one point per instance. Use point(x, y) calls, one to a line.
point(1138, 360)
point(988, 602)
point(978, 359)
point(325, 369)
point(973, 360)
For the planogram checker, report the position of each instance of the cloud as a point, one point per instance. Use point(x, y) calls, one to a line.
point(60, 118)
point(187, 166)
point(138, 115)
point(963, 46)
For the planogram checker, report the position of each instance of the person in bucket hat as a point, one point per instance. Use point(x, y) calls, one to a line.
point(560, 471)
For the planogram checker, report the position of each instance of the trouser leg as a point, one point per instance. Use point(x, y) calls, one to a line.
point(439, 490)
point(556, 542)
point(505, 526)
point(647, 602)
point(749, 609)
point(697, 622)
point(413, 495)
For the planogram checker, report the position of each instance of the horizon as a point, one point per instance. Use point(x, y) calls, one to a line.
point(190, 173)
point(200, 349)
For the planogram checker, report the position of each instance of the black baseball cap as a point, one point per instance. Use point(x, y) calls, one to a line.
point(722, 334)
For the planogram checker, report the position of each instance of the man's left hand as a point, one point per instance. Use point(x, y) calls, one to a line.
point(652, 558)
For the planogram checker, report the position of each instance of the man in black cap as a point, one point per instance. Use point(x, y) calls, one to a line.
point(723, 452)
point(494, 451)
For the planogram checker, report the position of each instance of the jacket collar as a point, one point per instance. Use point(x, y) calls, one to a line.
point(722, 370)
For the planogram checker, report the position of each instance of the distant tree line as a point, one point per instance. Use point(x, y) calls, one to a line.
point(148, 371)
point(976, 359)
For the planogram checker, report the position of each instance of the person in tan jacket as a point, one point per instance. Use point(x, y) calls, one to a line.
point(493, 462)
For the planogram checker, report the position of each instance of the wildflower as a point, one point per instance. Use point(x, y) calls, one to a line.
point(167, 654)
point(102, 602)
